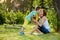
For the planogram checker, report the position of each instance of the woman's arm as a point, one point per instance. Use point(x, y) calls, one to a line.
point(41, 21)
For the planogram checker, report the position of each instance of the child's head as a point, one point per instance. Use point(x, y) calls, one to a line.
point(42, 12)
point(38, 9)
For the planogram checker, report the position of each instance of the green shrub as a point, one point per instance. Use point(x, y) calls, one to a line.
point(20, 18)
point(52, 17)
point(2, 19)
point(11, 17)
point(2, 11)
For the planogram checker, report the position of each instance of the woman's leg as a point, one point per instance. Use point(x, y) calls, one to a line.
point(35, 28)
point(43, 29)
point(40, 31)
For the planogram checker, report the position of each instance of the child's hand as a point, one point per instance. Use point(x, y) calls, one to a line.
point(34, 20)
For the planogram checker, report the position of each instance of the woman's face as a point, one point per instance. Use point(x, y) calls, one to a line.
point(41, 13)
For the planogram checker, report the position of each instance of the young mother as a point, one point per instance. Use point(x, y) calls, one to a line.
point(43, 24)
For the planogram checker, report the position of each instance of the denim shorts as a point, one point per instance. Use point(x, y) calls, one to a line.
point(43, 29)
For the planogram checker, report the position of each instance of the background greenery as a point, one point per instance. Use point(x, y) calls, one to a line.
point(12, 17)
point(11, 20)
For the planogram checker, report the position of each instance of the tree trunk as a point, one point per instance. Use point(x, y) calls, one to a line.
point(56, 4)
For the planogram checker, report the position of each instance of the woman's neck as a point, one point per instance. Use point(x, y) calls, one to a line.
point(41, 17)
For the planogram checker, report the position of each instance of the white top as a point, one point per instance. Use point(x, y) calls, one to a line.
point(46, 25)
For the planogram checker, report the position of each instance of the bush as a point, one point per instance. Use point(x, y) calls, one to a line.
point(12, 17)
point(20, 18)
point(2, 11)
point(2, 19)
point(52, 17)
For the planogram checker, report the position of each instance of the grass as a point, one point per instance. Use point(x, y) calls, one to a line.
point(13, 34)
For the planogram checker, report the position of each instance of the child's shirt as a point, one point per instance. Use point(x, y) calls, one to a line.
point(33, 13)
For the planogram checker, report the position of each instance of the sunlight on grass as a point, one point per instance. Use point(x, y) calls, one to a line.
point(14, 35)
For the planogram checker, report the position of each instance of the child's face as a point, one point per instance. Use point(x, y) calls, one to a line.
point(38, 11)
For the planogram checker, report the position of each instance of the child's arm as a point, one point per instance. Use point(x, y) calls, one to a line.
point(37, 17)
point(33, 18)
point(41, 23)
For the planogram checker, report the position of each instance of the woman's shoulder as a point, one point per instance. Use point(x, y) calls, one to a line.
point(44, 17)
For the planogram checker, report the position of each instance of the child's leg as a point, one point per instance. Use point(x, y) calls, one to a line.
point(23, 27)
point(25, 23)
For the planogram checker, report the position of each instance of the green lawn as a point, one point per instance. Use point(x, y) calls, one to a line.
point(13, 34)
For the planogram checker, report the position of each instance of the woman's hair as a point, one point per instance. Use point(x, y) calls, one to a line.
point(44, 12)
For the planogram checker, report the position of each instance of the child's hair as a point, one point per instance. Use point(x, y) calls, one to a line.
point(37, 8)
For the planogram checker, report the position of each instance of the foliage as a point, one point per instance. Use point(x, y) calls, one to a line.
point(2, 19)
point(52, 17)
point(20, 18)
point(36, 3)
point(10, 17)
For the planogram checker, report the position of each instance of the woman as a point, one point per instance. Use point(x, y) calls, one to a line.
point(43, 25)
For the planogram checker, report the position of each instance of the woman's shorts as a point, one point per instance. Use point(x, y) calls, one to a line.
point(43, 29)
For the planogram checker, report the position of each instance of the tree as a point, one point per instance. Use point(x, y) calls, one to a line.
point(56, 4)
point(25, 5)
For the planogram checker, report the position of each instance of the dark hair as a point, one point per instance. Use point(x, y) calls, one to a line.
point(37, 8)
point(44, 12)
point(43, 7)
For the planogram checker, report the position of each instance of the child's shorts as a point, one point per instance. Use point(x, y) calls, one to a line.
point(43, 29)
